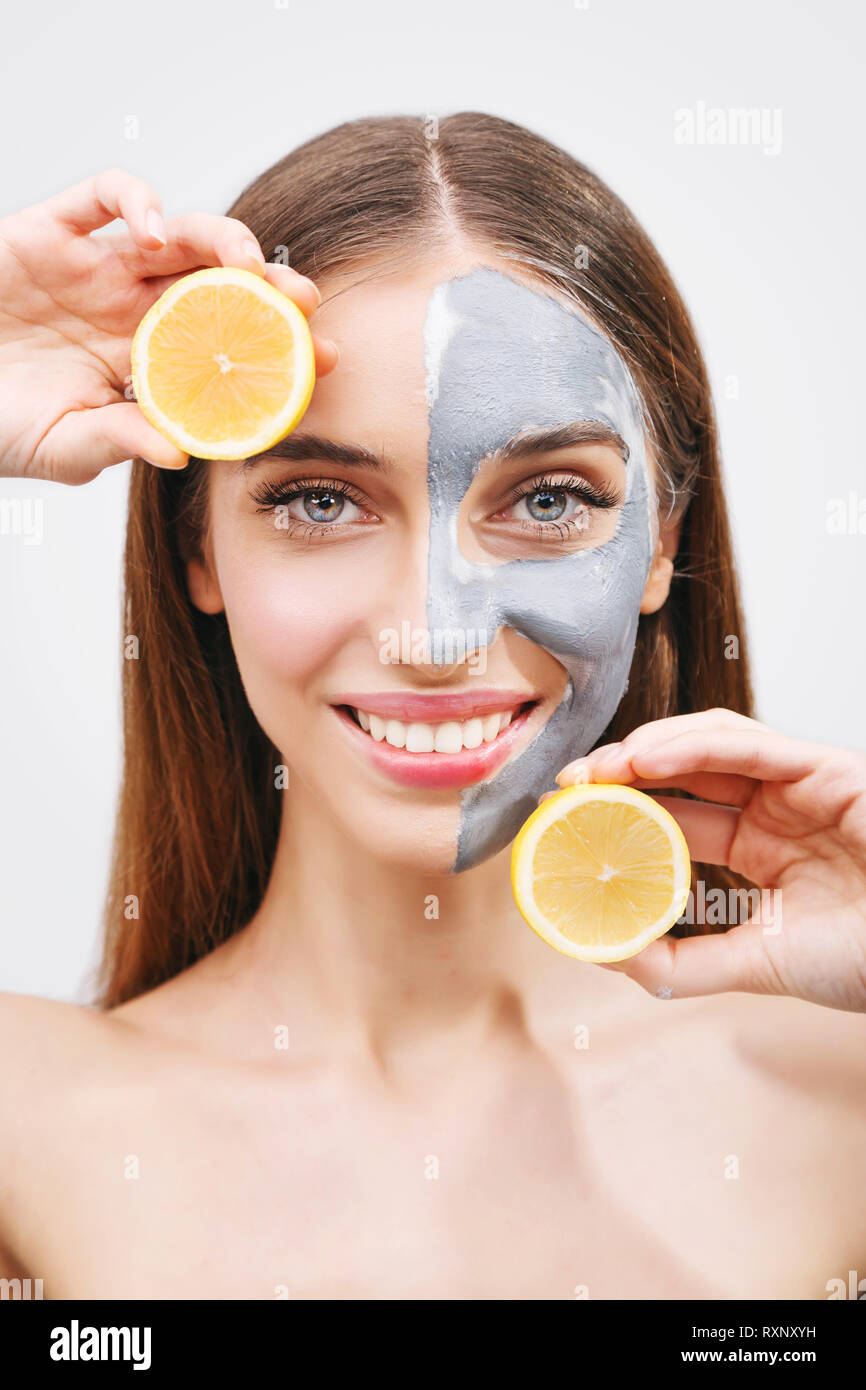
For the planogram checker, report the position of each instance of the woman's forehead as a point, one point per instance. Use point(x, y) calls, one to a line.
point(503, 358)
point(470, 353)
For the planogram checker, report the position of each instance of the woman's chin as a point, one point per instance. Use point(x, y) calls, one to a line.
point(412, 851)
point(408, 839)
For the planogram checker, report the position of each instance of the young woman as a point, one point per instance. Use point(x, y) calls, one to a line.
point(328, 1059)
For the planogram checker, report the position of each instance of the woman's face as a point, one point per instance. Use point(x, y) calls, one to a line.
point(433, 585)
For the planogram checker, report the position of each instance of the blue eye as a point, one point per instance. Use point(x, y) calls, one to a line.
point(323, 506)
point(298, 504)
point(546, 504)
point(566, 506)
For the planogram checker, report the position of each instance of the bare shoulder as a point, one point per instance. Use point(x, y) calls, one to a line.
point(810, 1049)
point(36, 1033)
point(198, 1012)
point(48, 1048)
point(73, 1080)
point(43, 1044)
point(52, 1049)
point(56, 1055)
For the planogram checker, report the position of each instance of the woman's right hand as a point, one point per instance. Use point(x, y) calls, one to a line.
point(69, 306)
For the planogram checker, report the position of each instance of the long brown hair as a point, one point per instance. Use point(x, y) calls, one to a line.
point(199, 810)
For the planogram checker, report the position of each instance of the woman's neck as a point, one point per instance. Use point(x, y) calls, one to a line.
point(348, 949)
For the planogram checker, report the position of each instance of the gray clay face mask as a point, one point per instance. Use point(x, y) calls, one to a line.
point(502, 359)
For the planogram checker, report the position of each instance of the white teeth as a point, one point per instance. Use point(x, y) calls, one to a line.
point(420, 738)
point(490, 725)
point(395, 733)
point(473, 733)
point(450, 737)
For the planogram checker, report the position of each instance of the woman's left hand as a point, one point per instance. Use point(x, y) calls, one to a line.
point(789, 816)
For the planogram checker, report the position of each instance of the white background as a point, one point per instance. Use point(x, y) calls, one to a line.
point(766, 249)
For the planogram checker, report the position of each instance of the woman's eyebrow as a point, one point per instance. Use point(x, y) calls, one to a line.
point(560, 437)
point(301, 446)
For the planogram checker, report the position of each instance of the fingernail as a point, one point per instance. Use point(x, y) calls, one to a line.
point(155, 225)
point(336, 347)
point(253, 249)
point(545, 795)
point(575, 772)
point(314, 288)
point(173, 466)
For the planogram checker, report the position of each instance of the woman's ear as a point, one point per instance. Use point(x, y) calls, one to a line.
point(194, 545)
point(203, 585)
point(658, 585)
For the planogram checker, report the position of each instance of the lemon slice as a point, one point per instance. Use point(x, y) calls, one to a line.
point(600, 870)
point(223, 364)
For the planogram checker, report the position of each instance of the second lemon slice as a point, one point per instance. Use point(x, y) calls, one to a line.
point(600, 870)
point(223, 364)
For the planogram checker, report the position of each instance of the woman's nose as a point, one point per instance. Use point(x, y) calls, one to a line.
point(413, 626)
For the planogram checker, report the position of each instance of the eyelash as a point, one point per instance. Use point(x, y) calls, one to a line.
point(601, 496)
point(270, 495)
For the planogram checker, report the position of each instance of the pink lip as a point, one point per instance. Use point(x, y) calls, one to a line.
point(438, 769)
point(434, 709)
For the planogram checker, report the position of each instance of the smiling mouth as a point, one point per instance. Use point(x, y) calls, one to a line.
point(446, 738)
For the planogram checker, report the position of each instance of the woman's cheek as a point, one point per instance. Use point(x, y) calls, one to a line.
point(289, 621)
